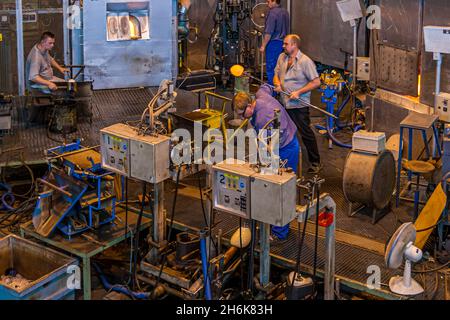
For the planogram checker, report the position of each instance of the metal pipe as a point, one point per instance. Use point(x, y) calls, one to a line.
point(66, 32)
point(56, 188)
point(355, 62)
point(438, 58)
point(265, 254)
point(288, 94)
point(168, 289)
point(325, 201)
point(20, 50)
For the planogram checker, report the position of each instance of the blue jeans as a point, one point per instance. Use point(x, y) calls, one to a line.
point(291, 154)
point(273, 50)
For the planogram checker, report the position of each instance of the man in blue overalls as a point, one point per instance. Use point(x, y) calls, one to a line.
point(277, 27)
point(260, 111)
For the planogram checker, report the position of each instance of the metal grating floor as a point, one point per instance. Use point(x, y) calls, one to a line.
point(111, 106)
point(351, 261)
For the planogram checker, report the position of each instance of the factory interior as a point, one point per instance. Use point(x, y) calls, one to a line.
point(224, 150)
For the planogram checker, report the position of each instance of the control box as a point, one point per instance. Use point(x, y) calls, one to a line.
point(274, 198)
point(146, 158)
point(239, 190)
point(437, 39)
point(231, 188)
point(363, 71)
point(443, 106)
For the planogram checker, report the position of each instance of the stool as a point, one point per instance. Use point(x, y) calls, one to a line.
point(421, 122)
point(418, 168)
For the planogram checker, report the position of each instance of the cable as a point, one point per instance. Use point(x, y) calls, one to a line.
point(301, 239)
point(201, 200)
point(136, 232)
point(432, 270)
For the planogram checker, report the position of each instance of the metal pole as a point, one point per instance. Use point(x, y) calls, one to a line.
point(330, 259)
point(288, 94)
point(438, 58)
point(20, 50)
point(355, 61)
point(159, 222)
point(265, 255)
point(66, 32)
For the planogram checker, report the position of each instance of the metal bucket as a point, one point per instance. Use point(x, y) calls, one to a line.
point(369, 179)
point(63, 119)
point(44, 273)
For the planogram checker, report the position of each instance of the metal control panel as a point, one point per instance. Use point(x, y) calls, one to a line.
point(115, 150)
point(231, 184)
point(443, 106)
point(241, 191)
point(146, 158)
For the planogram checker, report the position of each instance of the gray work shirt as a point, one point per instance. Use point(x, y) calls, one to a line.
point(39, 63)
point(302, 72)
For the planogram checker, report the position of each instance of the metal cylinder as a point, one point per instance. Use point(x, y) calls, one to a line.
point(369, 179)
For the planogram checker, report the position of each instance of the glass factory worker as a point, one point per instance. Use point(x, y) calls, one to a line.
point(39, 66)
point(297, 75)
point(276, 28)
point(260, 111)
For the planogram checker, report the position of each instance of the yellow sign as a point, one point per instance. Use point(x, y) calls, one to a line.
point(1, 37)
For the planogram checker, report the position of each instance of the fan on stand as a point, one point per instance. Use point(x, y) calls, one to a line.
point(259, 15)
point(402, 246)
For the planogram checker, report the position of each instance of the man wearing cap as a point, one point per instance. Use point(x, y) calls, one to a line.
point(260, 111)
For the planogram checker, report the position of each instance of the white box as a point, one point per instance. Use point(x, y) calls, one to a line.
point(443, 106)
point(363, 73)
point(437, 39)
point(370, 142)
point(350, 9)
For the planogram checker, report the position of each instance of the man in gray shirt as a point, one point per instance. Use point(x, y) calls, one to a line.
point(296, 74)
point(39, 67)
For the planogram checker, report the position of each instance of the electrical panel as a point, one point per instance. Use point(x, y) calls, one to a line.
point(443, 106)
point(274, 198)
point(363, 71)
point(135, 156)
point(239, 190)
point(232, 188)
point(437, 39)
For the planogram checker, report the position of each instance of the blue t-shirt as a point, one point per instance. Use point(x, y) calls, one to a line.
point(277, 23)
point(264, 112)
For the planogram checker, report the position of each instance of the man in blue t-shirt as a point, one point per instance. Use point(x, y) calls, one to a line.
point(260, 111)
point(277, 27)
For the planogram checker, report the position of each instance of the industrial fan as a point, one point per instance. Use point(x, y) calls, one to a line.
point(402, 246)
point(259, 14)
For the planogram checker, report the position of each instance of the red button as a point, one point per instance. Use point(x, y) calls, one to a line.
point(326, 219)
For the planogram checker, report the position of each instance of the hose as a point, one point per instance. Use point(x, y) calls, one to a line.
point(335, 140)
point(119, 288)
point(8, 194)
point(203, 253)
